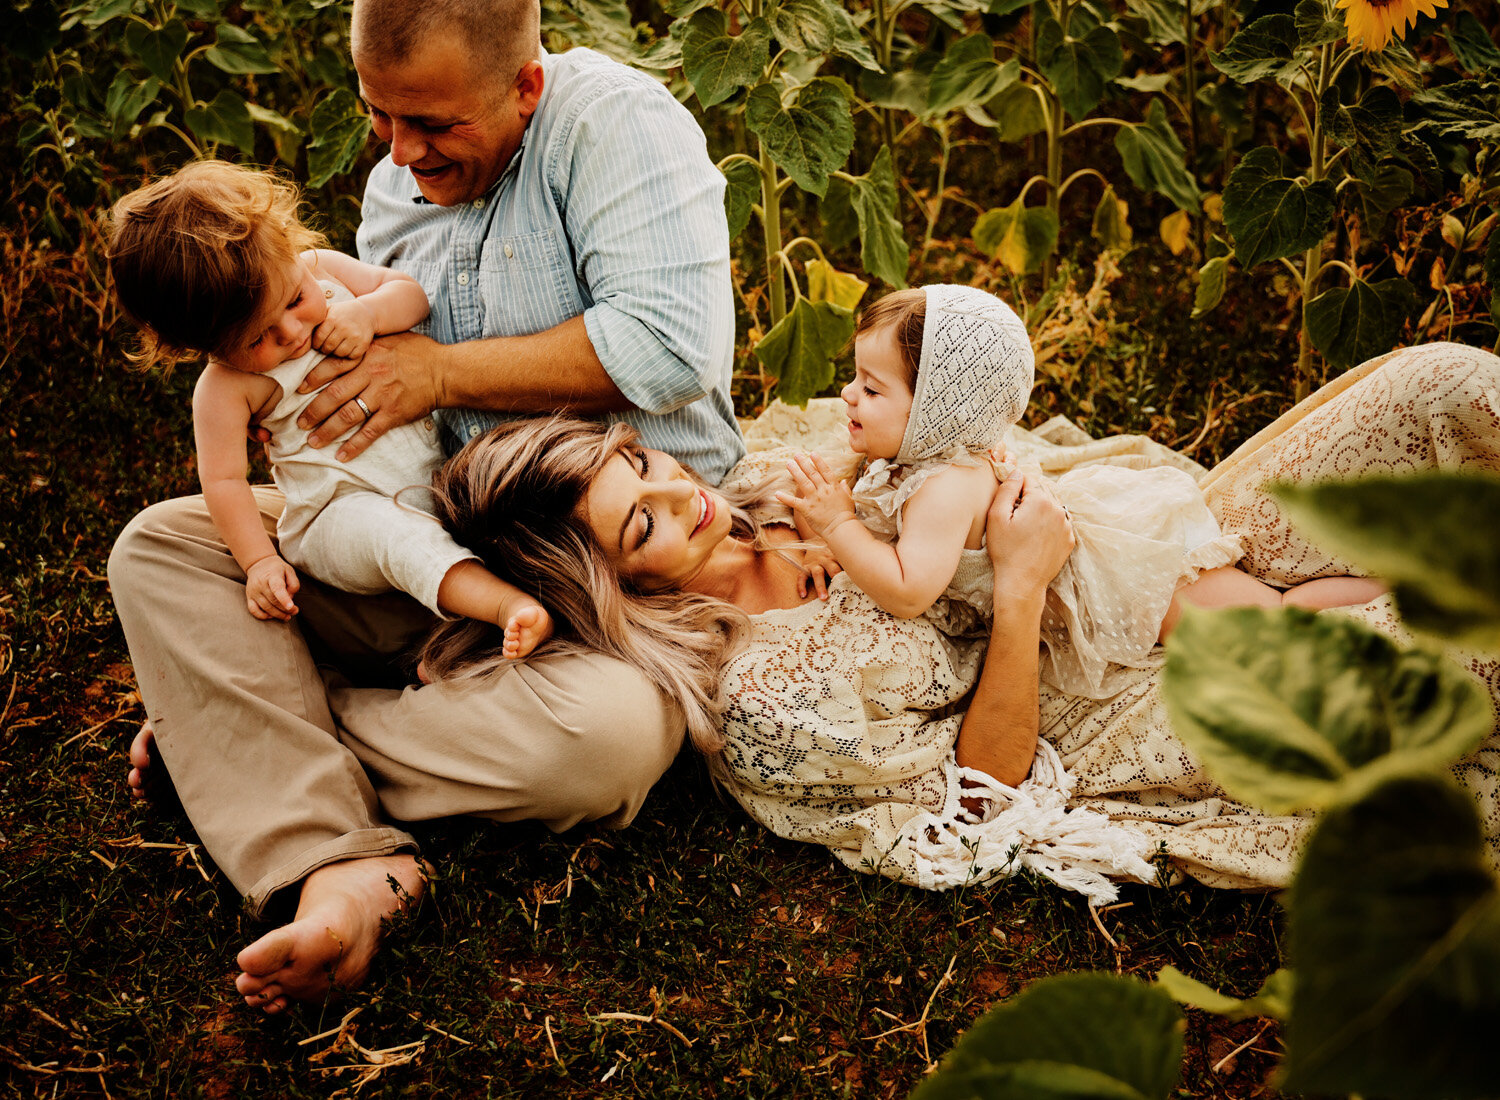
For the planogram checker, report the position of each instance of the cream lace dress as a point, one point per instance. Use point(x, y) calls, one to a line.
point(840, 720)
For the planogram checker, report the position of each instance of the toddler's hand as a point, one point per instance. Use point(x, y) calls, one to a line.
point(346, 332)
point(270, 584)
point(822, 501)
point(527, 625)
point(819, 566)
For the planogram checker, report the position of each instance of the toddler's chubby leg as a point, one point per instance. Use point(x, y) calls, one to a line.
point(471, 591)
point(1232, 587)
point(1222, 587)
point(1328, 592)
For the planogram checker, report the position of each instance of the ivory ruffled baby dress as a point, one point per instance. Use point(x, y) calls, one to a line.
point(1140, 532)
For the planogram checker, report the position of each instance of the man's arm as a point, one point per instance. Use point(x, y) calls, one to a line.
point(1029, 539)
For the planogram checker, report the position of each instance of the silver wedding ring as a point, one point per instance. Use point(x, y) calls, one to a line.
point(360, 401)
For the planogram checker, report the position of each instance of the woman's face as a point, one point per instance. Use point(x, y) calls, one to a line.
point(657, 526)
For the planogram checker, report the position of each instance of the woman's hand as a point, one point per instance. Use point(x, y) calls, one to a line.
point(396, 382)
point(1028, 536)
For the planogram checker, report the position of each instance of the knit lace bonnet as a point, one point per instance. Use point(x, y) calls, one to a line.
point(974, 378)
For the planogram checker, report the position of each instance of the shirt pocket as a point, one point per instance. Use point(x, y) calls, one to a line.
point(527, 283)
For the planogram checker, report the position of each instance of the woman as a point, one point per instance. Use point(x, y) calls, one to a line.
point(835, 722)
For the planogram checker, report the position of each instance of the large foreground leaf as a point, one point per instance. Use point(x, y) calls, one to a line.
point(1434, 537)
point(1288, 709)
point(1069, 1037)
point(1273, 998)
point(1394, 928)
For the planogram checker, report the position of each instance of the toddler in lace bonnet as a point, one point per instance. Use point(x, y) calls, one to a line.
point(941, 374)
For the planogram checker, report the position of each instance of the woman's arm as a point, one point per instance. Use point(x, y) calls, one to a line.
point(1029, 539)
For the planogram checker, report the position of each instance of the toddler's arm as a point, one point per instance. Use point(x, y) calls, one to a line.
point(472, 591)
point(385, 301)
point(907, 577)
point(222, 407)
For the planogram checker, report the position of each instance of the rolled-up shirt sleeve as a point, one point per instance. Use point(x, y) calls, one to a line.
point(645, 215)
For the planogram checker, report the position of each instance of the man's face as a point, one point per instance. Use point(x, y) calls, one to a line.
point(456, 128)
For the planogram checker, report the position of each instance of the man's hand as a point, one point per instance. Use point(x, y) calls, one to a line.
point(346, 331)
point(822, 501)
point(1028, 535)
point(397, 381)
point(270, 584)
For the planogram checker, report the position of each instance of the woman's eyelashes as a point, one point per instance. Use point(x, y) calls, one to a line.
point(645, 464)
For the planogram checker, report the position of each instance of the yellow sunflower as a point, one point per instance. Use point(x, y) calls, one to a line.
point(1370, 24)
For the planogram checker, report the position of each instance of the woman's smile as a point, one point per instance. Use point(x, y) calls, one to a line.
point(706, 511)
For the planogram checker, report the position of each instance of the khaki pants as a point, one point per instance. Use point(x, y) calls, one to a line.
point(281, 772)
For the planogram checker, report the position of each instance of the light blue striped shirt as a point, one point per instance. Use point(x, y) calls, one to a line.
point(612, 209)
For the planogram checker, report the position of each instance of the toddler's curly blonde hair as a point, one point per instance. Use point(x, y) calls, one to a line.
point(193, 255)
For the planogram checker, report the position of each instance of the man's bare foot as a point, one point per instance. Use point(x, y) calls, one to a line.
point(140, 760)
point(332, 940)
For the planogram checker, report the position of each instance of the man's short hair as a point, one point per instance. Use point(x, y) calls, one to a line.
point(501, 35)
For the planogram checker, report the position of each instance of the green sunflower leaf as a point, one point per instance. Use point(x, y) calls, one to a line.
point(1270, 214)
point(1432, 537)
point(1291, 710)
point(1351, 324)
point(1394, 936)
point(800, 349)
point(811, 137)
point(1078, 67)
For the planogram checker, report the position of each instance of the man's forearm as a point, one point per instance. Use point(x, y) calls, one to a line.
point(999, 731)
point(557, 369)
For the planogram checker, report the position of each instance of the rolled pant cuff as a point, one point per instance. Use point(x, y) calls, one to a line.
point(363, 844)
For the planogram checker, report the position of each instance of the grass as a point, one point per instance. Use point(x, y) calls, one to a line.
point(693, 954)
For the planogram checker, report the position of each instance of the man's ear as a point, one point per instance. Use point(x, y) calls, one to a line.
point(529, 82)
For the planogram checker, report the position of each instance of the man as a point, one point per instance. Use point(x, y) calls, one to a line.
point(563, 216)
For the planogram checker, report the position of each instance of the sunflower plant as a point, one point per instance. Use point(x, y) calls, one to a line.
point(1369, 136)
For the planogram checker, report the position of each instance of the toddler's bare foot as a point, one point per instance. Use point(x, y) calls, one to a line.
point(141, 760)
point(332, 941)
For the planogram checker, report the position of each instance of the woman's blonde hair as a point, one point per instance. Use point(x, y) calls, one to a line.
point(192, 256)
point(904, 312)
point(512, 496)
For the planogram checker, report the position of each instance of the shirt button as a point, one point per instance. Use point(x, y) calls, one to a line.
point(478, 204)
point(428, 424)
point(463, 278)
point(473, 431)
point(328, 292)
point(509, 252)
